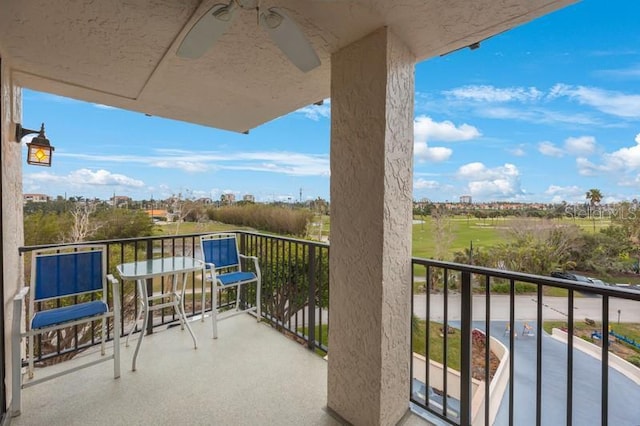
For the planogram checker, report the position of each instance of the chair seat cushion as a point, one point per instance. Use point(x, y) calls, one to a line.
point(68, 313)
point(235, 277)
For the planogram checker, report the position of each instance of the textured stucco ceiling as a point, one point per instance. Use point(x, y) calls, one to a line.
point(122, 53)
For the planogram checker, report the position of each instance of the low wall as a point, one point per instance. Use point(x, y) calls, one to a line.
point(500, 380)
point(496, 387)
point(625, 367)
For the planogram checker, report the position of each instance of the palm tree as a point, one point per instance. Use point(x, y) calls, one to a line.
point(594, 196)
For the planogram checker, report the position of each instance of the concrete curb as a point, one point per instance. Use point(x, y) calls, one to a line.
point(624, 367)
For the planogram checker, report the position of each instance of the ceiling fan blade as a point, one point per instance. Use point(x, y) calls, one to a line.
point(206, 31)
point(289, 38)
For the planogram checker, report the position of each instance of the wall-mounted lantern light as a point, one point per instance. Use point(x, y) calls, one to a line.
point(39, 149)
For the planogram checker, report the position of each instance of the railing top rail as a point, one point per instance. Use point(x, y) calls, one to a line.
point(533, 279)
point(26, 249)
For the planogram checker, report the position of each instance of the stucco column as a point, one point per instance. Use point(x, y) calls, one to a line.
point(372, 95)
point(12, 223)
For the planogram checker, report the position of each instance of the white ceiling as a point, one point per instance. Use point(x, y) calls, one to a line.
point(122, 53)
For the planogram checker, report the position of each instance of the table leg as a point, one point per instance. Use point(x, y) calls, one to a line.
point(183, 314)
point(145, 308)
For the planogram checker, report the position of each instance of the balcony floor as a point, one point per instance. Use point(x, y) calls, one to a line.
point(250, 375)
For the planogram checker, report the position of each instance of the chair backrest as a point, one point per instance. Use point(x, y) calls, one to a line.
point(221, 250)
point(73, 270)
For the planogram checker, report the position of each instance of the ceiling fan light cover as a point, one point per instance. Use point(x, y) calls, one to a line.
point(206, 31)
point(290, 39)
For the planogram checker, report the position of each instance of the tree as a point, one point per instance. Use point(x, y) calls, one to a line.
point(594, 196)
point(122, 223)
point(82, 225)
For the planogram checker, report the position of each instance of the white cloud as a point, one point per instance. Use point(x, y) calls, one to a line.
point(517, 151)
point(565, 193)
point(486, 93)
point(187, 166)
point(583, 145)
point(425, 184)
point(288, 163)
point(535, 115)
point(85, 178)
point(491, 183)
point(107, 107)
point(549, 149)
point(316, 112)
point(623, 73)
point(434, 154)
point(586, 167)
point(426, 130)
point(609, 102)
point(623, 164)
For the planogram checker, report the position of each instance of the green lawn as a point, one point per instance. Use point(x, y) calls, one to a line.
point(418, 339)
point(630, 330)
point(583, 330)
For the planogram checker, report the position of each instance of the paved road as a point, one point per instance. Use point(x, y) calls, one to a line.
point(554, 308)
point(624, 394)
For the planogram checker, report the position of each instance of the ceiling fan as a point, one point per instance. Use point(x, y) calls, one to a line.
point(281, 28)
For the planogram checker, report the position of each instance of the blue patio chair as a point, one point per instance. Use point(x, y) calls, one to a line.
point(224, 270)
point(68, 288)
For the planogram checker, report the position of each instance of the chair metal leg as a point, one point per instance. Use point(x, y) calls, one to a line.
point(258, 301)
point(214, 310)
point(204, 288)
point(238, 288)
point(30, 341)
point(116, 340)
point(16, 386)
point(104, 336)
point(16, 362)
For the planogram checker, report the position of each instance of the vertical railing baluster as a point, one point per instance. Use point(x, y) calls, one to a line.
point(512, 333)
point(411, 332)
point(445, 344)
point(311, 317)
point(487, 347)
point(135, 301)
point(466, 319)
point(539, 358)
point(570, 331)
point(427, 340)
point(605, 362)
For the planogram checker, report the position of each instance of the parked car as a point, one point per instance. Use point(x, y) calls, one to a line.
point(580, 278)
point(571, 276)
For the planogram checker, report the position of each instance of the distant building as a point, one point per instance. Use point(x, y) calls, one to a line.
point(204, 200)
point(248, 197)
point(159, 214)
point(120, 200)
point(465, 199)
point(35, 198)
point(226, 199)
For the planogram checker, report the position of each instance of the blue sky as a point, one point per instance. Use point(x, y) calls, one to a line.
point(541, 113)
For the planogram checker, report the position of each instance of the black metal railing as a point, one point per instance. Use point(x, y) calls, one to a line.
point(295, 286)
point(541, 375)
point(462, 312)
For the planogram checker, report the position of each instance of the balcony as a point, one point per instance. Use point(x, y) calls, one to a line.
point(250, 374)
point(254, 372)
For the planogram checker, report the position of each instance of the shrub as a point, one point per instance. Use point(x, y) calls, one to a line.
point(280, 220)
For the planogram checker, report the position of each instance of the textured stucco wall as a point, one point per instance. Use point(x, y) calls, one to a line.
point(372, 95)
point(12, 225)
